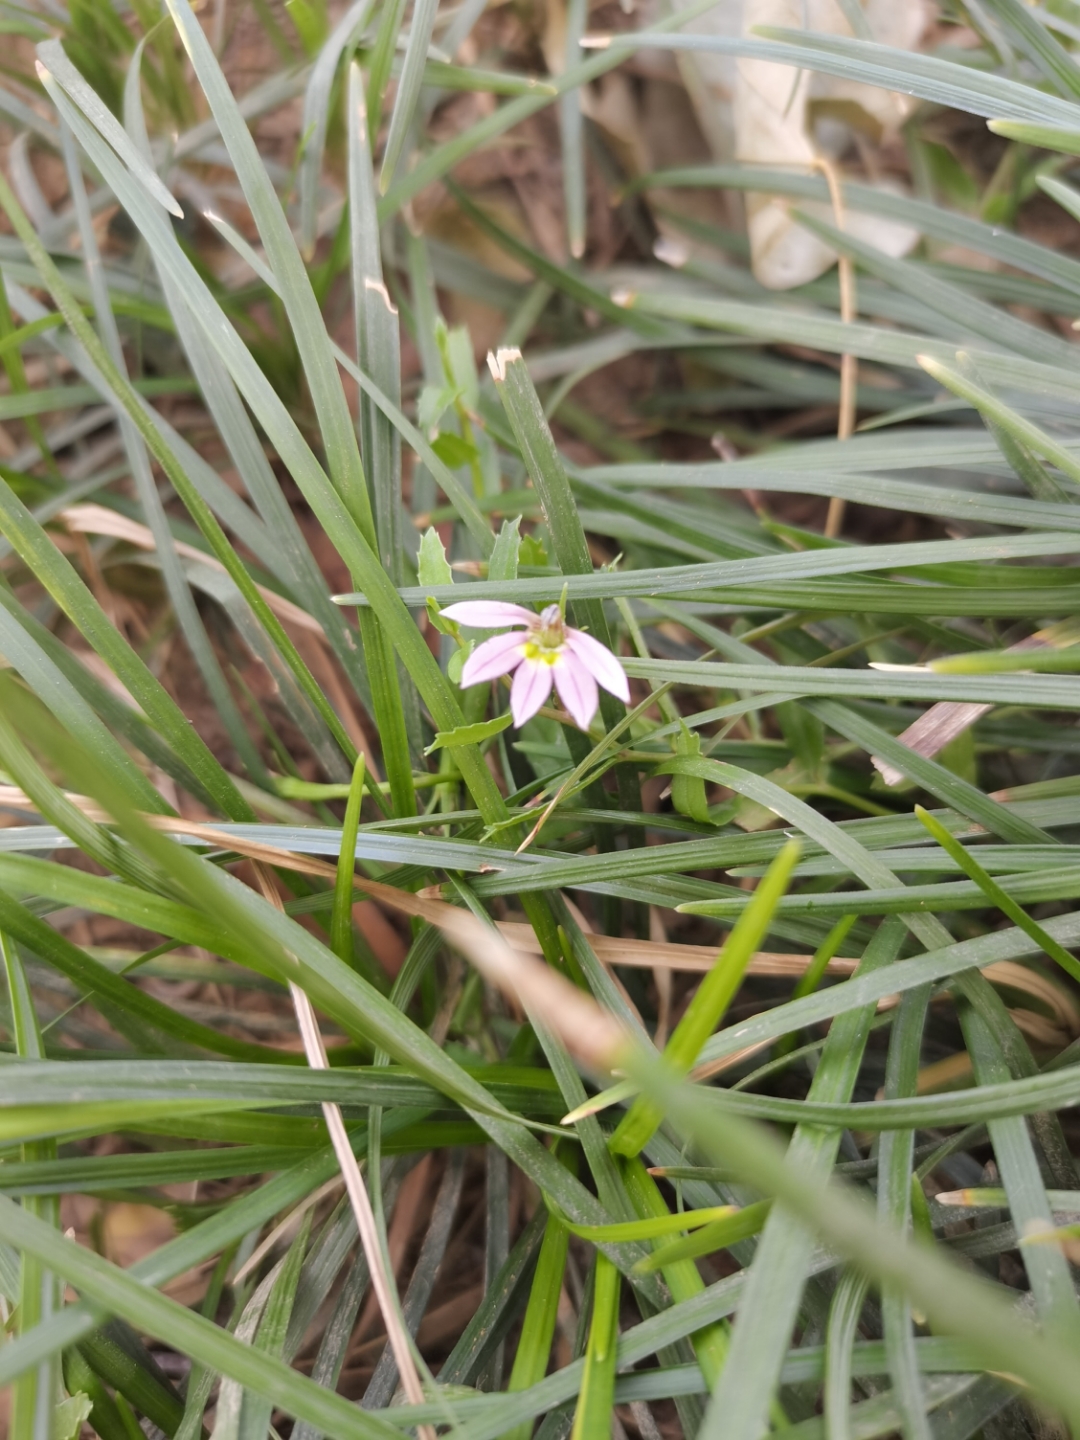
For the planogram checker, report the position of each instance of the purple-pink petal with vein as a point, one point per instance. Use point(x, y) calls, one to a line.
point(599, 661)
point(497, 656)
point(577, 688)
point(488, 614)
point(531, 687)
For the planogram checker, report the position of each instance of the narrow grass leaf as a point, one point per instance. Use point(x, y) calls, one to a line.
point(541, 1313)
point(712, 998)
point(341, 925)
point(408, 90)
point(996, 895)
point(596, 1400)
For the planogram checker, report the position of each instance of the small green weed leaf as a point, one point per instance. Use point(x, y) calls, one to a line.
point(433, 404)
point(503, 561)
point(470, 734)
point(432, 565)
point(688, 791)
point(532, 551)
point(452, 450)
point(454, 666)
point(70, 1415)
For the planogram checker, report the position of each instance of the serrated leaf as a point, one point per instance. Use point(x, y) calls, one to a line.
point(69, 1416)
point(503, 561)
point(470, 734)
point(433, 568)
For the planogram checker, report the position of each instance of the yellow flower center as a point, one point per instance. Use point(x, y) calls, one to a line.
point(535, 650)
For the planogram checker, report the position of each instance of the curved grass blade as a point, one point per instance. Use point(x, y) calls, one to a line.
point(176, 584)
point(313, 343)
point(64, 584)
point(942, 82)
point(224, 552)
point(45, 677)
point(997, 896)
point(56, 62)
point(895, 1182)
point(1034, 38)
point(714, 995)
point(741, 1224)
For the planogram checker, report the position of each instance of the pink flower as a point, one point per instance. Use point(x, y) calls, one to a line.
point(545, 651)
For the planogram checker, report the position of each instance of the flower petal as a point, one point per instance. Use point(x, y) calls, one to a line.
point(576, 687)
point(497, 656)
point(531, 687)
point(599, 661)
point(488, 614)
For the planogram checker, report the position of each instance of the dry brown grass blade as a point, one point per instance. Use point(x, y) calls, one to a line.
point(382, 1282)
point(92, 519)
point(944, 722)
point(663, 954)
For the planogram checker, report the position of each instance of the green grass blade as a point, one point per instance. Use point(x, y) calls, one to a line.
point(220, 545)
point(52, 56)
point(341, 931)
point(316, 118)
point(1035, 39)
point(997, 896)
point(741, 1400)
point(894, 1209)
point(1010, 421)
point(381, 61)
point(22, 651)
point(35, 1394)
point(942, 82)
point(596, 1400)
point(408, 92)
point(442, 158)
point(572, 129)
point(538, 1326)
point(61, 580)
point(714, 995)
point(377, 336)
point(175, 580)
point(313, 343)
point(1047, 1268)
point(718, 1235)
point(843, 1325)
